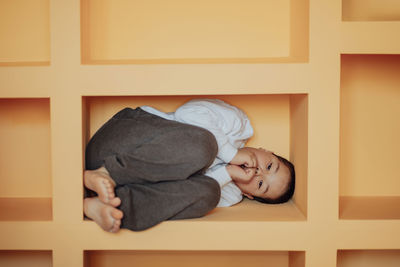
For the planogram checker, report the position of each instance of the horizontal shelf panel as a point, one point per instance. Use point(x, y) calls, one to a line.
point(26, 209)
point(254, 211)
point(104, 258)
point(25, 33)
point(35, 82)
point(196, 79)
point(369, 112)
point(369, 208)
point(159, 80)
point(24, 64)
point(265, 60)
point(370, 38)
point(25, 143)
point(18, 258)
point(279, 122)
point(373, 10)
point(201, 234)
point(368, 258)
point(223, 32)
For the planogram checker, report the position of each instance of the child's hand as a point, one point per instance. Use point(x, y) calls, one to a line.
point(240, 174)
point(245, 157)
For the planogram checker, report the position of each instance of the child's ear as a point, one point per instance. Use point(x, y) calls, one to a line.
point(248, 196)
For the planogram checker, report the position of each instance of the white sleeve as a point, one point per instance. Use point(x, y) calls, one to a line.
point(220, 174)
point(230, 126)
point(230, 193)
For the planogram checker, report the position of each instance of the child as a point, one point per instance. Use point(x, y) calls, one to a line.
point(146, 166)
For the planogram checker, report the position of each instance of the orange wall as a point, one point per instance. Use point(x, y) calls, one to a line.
point(318, 78)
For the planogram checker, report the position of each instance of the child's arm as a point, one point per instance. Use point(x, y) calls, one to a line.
point(225, 175)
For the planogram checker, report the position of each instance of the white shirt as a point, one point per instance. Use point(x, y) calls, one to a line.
point(231, 128)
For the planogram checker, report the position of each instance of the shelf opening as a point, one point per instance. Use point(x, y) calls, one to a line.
point(25, 33)
point(25, 181)
point(18, 258)
point(280, 123)
point(371, 10)
point(103, 258)
point(368, 258)
point(369, 185)
point(173, 32)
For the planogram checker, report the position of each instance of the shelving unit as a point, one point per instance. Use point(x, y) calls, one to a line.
point(370, 126)
point(319, 80)
point(210, 258)
point(358, 258)
point(213, 32)
point(24, 33)
point(26, 258)
point(25, 184)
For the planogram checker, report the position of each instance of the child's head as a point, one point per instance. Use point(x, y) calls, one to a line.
point(273, 181)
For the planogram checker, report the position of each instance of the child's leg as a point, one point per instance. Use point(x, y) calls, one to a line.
point(138, 147)
point(150, 159)
point(147, 205)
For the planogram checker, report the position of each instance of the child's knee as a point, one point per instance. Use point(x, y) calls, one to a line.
point(212, 193)
point(206, 147)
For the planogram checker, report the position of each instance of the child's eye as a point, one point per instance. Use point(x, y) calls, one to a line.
point(269, 166)
point(260, 183)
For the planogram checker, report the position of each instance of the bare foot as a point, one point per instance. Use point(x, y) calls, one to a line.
point(100, 181)
point(115, 202)
point(106, 216)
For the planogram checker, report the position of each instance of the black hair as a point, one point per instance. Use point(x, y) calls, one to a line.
point(289, 190)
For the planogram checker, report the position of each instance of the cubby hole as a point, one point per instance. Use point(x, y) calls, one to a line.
point(368, 258)
point(154, 32)
point(25, 33)
point(369, 184)
point(25, 172)
point(371, 10)
point(280, 123)
point(31, 258)
point(103, 258)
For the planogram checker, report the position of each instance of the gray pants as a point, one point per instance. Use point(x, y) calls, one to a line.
point(157, 165)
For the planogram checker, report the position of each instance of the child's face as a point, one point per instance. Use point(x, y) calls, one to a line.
point(271, 178)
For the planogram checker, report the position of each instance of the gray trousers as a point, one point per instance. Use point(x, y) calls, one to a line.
point(157, 165)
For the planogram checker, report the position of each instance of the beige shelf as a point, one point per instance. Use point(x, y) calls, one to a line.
point(103, 258)
point(254, 211)
point(152, 32)
point(373, 10)
point(369, 208)
point(368, 258)
point(369, 131)
point(25, 33)
point(284, 133)
point(26, 209)
point(18, 258)
point(25, 182)
point(370, 37)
